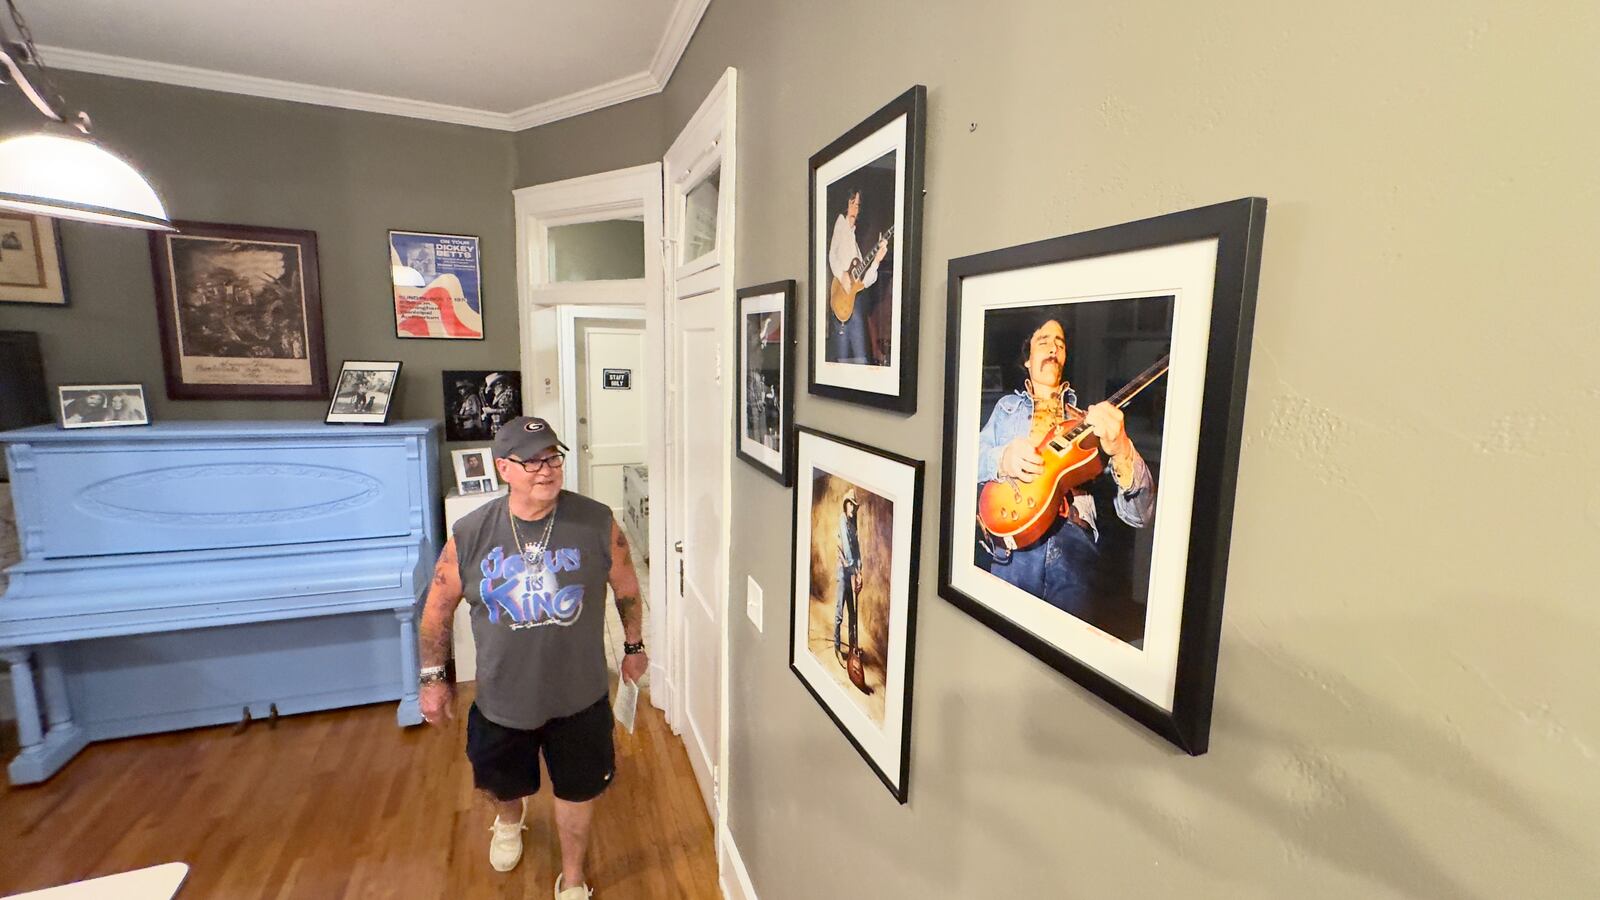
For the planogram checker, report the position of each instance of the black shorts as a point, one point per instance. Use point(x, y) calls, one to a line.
point(577, 751)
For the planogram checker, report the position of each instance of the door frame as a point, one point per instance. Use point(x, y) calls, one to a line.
point(708, 141)
point(567, 316)
point(633, 191)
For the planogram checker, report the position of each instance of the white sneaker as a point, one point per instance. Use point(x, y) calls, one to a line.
point(581, 892)
point(505, 848)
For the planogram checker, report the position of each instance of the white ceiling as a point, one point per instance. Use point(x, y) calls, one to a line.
point(508, 64)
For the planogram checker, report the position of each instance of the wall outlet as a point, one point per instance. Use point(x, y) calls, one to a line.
point(752, 601)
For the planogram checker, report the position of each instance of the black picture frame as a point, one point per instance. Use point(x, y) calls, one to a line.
point(1237, 228)
point(302, 284)
point(898, 787)
point(357, 416)
point(906, 258)
point(478, 401)
point(784, 472)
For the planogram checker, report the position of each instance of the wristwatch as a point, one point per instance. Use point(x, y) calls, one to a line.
point(430, 675)
point(629, 649)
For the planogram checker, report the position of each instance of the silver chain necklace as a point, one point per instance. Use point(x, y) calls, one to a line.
point(533, 554)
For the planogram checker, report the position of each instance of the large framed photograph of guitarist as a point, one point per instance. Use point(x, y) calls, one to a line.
point(1093, 411)
point(866, 238)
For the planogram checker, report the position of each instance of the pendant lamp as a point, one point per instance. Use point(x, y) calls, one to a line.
point(66, 175)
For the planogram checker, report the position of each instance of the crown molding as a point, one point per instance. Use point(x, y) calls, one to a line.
point(681, 25)
point(271, 88)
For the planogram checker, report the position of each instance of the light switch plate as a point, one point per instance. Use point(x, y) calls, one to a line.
point(752, 601)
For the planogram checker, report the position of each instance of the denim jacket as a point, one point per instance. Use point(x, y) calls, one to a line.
point(1013, 417)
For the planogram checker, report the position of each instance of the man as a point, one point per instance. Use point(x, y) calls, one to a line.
point(1060, 567)
point(534, 567)
point(502, 405)
point(849, 588)
point(848, 338)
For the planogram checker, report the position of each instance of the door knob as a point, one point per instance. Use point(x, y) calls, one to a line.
point(677, 546)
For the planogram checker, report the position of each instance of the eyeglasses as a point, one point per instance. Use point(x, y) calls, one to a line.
point(534, 466)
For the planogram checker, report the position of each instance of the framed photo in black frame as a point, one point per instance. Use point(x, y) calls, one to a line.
point(364, 394)
point(1092, 426)
point(764, 399)
point(853, 610)
point(865, 235)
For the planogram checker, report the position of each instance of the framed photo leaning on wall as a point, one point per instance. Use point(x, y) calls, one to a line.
point(866, 252)
point(1092, 421)
point(853, 612)
point(764, 399)
point(364, 394)
point(438, 285)
point(31, 269)
point(241, 312)
point(102, 405)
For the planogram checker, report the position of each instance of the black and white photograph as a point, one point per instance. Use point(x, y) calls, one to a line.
point(865, 235)
point(364, 393)
point(241, 312)
point(31, 268)
point(475, 469)
point(1089, 376)
point(476, 404)
point(102, 405)
point(857, 520)
point(765, 398)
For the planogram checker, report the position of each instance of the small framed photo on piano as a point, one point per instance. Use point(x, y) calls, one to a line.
point(364, 394)
point(102, 405)
point(1093, 409)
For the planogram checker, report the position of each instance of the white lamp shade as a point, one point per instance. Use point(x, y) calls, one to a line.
point(74, 178)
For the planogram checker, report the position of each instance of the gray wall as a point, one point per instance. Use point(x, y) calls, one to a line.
point(1405, 704)
point(348, 176)
point(617, 137)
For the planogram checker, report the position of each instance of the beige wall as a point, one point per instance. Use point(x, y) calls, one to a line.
point(348, 176)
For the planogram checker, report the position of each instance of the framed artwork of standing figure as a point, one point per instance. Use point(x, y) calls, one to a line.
point(240, 309)
point(765, 397)
point(1092, 426)
point(865, 234)
point(853, 613)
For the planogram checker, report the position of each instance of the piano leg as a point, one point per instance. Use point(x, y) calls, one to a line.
point(410, 712)
point(43, 751)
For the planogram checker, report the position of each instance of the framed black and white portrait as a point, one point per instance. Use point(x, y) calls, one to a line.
point(1092, 425)
point(764, 400)
point(101, 405)
point(31, 268)
point(865, 210)
point(364, 394)
point(240, 309)
point(477, 403)
point(853, 613)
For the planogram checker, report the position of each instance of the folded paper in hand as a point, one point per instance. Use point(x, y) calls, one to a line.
point(627, 702)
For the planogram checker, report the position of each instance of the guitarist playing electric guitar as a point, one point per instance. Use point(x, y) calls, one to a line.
point(1059, 566)
point(847, 322)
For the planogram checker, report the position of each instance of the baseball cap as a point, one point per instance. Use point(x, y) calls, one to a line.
point(525, 436)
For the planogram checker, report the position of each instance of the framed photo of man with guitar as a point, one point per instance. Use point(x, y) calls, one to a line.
point(865, 237)
point(1092, 425)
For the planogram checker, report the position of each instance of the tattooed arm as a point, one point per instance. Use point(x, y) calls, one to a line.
point(436, 632)
point(625, 584)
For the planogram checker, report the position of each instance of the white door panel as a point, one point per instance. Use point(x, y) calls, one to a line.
point(611, 420)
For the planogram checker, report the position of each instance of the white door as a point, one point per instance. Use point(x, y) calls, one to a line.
point(611, 408)
point(699, 205)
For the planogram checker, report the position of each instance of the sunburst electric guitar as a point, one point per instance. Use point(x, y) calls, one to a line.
point(842, 297)
point(1016, 513)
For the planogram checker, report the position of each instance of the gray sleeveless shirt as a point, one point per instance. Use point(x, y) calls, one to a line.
point(540, 635)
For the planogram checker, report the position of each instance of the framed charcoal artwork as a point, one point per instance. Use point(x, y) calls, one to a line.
point(765, 396)
point(476, 404)
point(865, 234)
point(438, 285)
point(241, 312)
point(31, 270)
point(853, 613)
point(1092, 420)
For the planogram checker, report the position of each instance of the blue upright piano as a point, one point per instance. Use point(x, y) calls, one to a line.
point(195, 573)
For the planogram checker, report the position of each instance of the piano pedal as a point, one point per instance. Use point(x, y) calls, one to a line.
point(272, 717)
point(243, 723)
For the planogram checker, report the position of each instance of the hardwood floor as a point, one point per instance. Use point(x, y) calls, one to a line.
point(345, 804)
